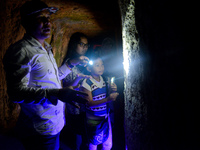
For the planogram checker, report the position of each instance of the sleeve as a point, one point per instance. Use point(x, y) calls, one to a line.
point(67, 80)
point(63, 71)
point(70, 77)
point(86, 85)
point(17, 67)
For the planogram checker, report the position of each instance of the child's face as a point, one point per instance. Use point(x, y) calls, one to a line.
point(97, 67)
point(82, 47)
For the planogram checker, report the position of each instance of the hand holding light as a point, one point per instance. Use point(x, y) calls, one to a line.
point(112, 80)
point(82, 60)
point(113, 88)
point(112, 85)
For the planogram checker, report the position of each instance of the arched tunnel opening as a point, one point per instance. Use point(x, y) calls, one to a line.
point(146, 46)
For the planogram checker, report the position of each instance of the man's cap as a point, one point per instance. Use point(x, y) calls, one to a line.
point(34, 6)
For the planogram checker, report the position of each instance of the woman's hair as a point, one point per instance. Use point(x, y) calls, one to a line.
point(72, 45)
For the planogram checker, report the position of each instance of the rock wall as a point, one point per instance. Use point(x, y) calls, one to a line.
point(160, 106)
point(11, 31)
point(159, 67)
point(135, 109)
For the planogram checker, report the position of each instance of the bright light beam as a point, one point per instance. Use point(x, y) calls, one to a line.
point(112, 80)
point(91, 62)
point(126, 61)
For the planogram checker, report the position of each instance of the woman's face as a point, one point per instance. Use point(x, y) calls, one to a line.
point(82, 46)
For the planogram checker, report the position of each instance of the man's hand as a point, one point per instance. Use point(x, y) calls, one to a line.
point(69, 95)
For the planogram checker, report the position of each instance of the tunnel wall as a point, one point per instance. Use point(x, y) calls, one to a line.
point(160, 88)
point(11, 31)
point(160, 106)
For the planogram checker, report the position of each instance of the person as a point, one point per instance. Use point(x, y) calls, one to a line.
point(77, 46)
point(34, 80)
point(100, 93)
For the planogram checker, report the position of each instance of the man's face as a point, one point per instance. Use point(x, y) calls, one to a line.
point(41, 25)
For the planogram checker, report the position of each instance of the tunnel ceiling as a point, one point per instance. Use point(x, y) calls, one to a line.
point(97, 19)
point(92, 18)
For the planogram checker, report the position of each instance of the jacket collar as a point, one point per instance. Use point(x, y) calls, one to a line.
point(35, 42)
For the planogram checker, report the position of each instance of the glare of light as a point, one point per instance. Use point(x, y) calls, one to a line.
point(91, 62)
point(126, 61)
point(112, 80)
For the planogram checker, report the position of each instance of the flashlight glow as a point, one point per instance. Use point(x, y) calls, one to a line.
point(126, 61)
point(91, 62)
point(112, 80)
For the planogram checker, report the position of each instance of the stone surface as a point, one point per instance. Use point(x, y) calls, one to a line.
point(159, 75)
point(159, 72)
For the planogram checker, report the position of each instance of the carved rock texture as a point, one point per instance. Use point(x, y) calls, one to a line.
point(160, 86)
point(158, 75)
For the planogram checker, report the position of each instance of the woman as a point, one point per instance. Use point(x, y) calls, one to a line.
point(77, 48)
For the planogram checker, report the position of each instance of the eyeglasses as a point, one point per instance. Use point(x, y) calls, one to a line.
point(84, 45)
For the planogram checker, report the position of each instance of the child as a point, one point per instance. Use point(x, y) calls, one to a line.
point(98, 125)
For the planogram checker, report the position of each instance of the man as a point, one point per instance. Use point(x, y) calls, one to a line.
point(33, 80)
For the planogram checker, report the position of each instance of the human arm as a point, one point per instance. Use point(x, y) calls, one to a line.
point(76, 81)
point(21, 68)
point(68, 95)
point(81, 60)
point(112, 97)
point(67, 66)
